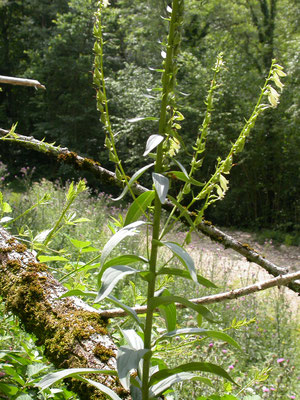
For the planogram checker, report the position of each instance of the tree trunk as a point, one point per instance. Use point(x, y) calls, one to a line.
point(73, 334)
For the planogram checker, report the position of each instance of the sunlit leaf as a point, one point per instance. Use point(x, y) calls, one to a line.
point(185, 274)
point(79, 244)
point(163, 385)
point(129, 230)
point(157, 301)
point(137, 119)
point(184, 257)
point(111, 277)
point(152, 142)
point(161, 184)
point(51, 258)
point(126, 308)
point(128, 360)
point(133, 339)
point(139, 206)
point(190, 367)
point(54, 377)
point(134, 177)
point(168, 312)
point(182, 177)
point(102, 388)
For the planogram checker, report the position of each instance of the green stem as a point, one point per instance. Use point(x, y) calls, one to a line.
point(157, 204)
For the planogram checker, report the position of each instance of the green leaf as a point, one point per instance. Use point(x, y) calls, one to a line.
point(184, 274)
point(193, 366)
point(152, 142)
point(139, 206)
point(137, 119)
point(79, 244)
point(168, 312)
point(111, 277)
point(157, 301)
point(8, 390)
point(184, 257)
point(6, 208)
point(127, 360)
point(124, 260)
point(54, 377)
point(129, 230)
point(182, 176)
point(35, 369)
point(14, 375)
point(134, 177)
point(133, 339)
point(161, 184)
point(24, 397)
point(101, 387)
point(203, 332)
point(126, 308)
point(51, 258)
point(163, 385)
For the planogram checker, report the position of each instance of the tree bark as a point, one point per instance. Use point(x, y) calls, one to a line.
point(73, 334)
point(21, 82)
point(106, 176)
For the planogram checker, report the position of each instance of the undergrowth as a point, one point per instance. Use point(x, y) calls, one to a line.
point(269, 338)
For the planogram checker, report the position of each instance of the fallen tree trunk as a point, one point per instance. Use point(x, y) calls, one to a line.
point(108, 177)
point(73, 334)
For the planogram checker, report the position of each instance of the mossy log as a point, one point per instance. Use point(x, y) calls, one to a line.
point(72, 333)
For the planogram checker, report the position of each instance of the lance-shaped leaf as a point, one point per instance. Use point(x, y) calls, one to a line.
point(161, 184)
point(127, 360)
point(125, 260)
point(133, 339)
point(185, 274)
point(152, 142)
point(184, 257)
point(168, 312)
point(129, 230)
point(112, 395)
point(130, 311)
point(134, 177)
point(182, 177)
point(163, 385)
point(157, 301)
point(51, 258)
point(203, 332)
point(139, 206)
point(137, 119)
point(190, 367)
point(111, 277)
point(54, 377)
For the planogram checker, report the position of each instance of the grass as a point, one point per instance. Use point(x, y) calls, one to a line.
point(270, 341)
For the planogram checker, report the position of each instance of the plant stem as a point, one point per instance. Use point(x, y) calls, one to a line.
point(166, 78)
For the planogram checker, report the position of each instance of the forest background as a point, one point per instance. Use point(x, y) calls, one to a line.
point(53, 41)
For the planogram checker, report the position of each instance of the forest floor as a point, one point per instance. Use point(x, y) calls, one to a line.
point(219, 264)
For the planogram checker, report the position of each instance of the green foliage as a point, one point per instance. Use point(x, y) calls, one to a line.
point(139, 351)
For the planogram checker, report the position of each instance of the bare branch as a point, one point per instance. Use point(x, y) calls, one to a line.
point(216, 298)
point(22, 82)
point(108, 177)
